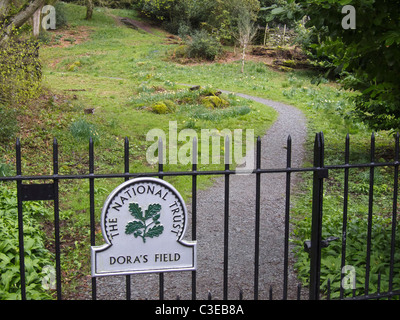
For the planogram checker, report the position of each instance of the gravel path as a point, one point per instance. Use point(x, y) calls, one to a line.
point(210, 211)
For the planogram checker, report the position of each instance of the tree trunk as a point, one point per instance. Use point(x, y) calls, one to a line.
point(243, 56)
point(89, 9)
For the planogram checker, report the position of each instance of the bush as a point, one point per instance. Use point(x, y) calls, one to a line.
point(61, 18)
point(8, 123)
point(203, 46)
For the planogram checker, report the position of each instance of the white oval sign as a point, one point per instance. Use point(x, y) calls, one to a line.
point(143, 222)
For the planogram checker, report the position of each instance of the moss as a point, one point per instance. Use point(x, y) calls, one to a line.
point(213, 102)
point(160, 108)
point(285, 69)
point(171, 106)
point(289, 63)
point(74, 66)
point(164, 107)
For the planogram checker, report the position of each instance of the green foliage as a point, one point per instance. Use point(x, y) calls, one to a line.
point(37, 257)
point(8, 123)
point(61, 17)
point(280, 12)
point(203, 46)
point(82, 131)
point(20, 71)
point(135, 227)
point(356, 249)
point(369, 56)
point(158, 9)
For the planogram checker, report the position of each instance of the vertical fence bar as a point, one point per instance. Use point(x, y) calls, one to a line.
point(370, 212)
point(257, 220)
point(287, 214)
point(316, 227)
point(57, 220)
point(160, 170)
point(194, 209)
point(394, 213)
point(20, 221)
point(226, 220)
point(126, 165)
point(345, 207)
point(92, 213)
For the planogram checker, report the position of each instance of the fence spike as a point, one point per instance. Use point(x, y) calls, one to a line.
point(298, 291)
point(270, 293)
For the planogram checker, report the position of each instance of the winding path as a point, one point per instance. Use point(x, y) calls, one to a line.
point(210, 224)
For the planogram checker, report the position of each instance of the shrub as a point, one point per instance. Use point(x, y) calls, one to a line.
point(203, 46)
point(61, 18)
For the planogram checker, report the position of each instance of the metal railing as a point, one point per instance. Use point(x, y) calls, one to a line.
point(50, 191)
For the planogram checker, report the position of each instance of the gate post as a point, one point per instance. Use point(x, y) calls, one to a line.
point(316, 228)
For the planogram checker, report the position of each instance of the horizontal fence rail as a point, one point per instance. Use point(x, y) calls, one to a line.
point(320, 171)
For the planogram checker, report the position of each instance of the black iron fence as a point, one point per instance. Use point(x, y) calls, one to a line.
point(50, 191)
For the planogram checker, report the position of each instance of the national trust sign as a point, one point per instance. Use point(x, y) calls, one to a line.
point(143, 222)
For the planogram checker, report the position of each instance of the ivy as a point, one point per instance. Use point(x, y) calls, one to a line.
point(20, 70)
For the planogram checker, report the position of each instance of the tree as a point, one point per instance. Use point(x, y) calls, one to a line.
point(246, 32)
point(14, 15)
point(89, 9)
point(368, 56)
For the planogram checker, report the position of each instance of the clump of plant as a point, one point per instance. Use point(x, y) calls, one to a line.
point(201, 45)
point(214, 102)
point(82, 131)
point(163, 107)
point(212, 99)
